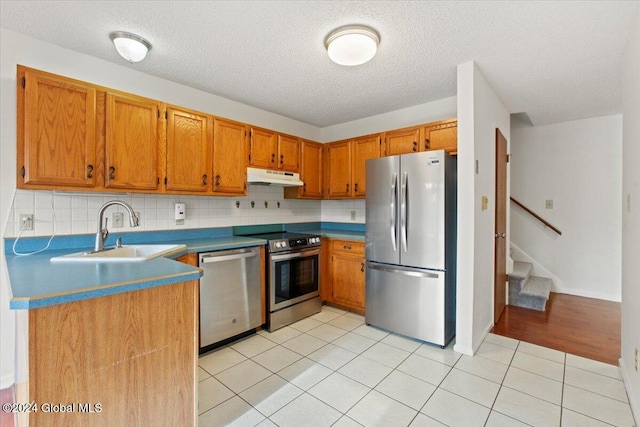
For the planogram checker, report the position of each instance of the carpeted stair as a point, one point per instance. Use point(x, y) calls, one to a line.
point(528, 291)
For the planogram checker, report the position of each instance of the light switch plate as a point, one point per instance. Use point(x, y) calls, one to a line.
point(485, 203)
point(548, 204)
point(353, 215)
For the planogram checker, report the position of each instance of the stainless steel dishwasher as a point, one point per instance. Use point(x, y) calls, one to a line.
point(229, 294)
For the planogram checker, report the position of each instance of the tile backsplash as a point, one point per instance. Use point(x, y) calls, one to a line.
point(76, 213)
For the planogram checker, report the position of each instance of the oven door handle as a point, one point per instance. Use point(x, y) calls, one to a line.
point(292, 255)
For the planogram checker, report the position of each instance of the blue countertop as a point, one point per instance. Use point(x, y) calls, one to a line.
point(37, 282)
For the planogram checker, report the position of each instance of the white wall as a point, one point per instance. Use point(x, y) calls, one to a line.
point(480, 112)
point(631, 220)
point(16, 49)
point(424, 113)
point(576, 164)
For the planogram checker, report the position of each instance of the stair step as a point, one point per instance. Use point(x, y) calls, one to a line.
point(521, 269)
point(537, 287)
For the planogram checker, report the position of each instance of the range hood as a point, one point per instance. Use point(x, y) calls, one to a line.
point(271, 177)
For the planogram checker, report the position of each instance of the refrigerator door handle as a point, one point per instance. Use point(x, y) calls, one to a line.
point(405, 271)
point(403, 211)
point(392, 204)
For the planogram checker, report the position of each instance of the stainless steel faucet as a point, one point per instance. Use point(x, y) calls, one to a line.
point(103, 233)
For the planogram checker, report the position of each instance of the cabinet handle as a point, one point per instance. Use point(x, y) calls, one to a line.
point(204, 179)
point(415, 146)
point(89, 171)
point(217, 180)
point(112, 172)
point(355, 187)
point(304, 188)
point(282, 159)
point(347, 247)
point(273, 157)
point(362, 266)
point(427, 144)
point(347, 188)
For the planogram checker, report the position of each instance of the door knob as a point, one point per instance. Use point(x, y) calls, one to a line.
point(503, 235)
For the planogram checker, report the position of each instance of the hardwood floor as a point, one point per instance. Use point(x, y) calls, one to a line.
point(585, 327)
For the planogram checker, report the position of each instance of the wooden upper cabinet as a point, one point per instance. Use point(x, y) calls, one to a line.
point(338, 170)
point(364, 148)
point(262, 148)
point(288, 153)
point(402, 141)
point(189, 150)
point(56, 130)
point(131, 142)
point(229, 164)
point(442, 135)
point(311, 173)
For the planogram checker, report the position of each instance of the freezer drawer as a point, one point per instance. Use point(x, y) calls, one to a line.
point(408, 301)
point(230, 298)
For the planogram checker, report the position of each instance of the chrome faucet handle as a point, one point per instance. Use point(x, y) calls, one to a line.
point(119, 242)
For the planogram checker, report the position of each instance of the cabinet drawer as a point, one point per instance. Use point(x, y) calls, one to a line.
point(348, 246)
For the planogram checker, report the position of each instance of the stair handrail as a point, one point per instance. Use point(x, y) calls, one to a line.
point(536, 216)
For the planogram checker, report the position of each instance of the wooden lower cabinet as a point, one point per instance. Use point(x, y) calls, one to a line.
point(119, 360)
point(344, 282)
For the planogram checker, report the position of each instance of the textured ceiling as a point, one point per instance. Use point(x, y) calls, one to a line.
point(555, 61)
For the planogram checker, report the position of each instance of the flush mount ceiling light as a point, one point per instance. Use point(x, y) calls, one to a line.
point(131, 47)
point(352, 45)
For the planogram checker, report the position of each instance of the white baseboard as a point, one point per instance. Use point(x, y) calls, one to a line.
point(634, 401)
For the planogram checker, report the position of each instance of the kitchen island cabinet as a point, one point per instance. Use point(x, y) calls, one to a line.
point(123, 359)
point(344, 278)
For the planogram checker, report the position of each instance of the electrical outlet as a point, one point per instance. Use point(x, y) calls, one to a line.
point(548, 204)
point(353, 215)
point(117, 220)
point(26, 222)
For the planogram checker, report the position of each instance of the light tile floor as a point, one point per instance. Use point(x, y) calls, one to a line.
point(333, 370)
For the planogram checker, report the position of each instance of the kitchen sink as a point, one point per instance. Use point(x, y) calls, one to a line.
point(124, 253)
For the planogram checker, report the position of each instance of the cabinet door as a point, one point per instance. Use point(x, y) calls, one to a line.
point(364, 148)
point(56, 130)
point(311, 173)
point(442, 136)
point(189, 146)
point(338, 161)
point(288, 153)
point(348, 272)
point(402, 141)
point(131, 143)
point(262, 148)
point(229, 170)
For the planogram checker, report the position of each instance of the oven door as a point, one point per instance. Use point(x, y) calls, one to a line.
point(293, 277)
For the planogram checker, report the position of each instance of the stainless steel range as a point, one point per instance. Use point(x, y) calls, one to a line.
point(293, 277)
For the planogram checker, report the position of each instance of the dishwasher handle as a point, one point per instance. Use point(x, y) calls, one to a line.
point(229, 255)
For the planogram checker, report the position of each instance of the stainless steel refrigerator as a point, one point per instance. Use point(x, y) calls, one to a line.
point(411, 245)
